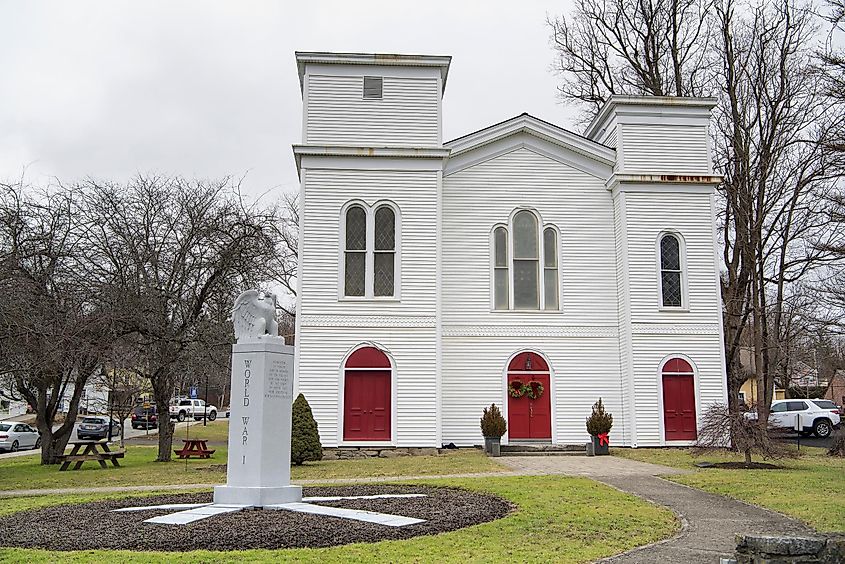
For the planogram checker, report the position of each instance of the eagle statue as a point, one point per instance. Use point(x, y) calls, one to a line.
point(254, 315)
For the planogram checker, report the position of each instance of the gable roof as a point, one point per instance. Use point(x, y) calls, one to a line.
point(526, 123)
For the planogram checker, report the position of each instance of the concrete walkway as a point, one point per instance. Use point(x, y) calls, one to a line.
point(709, 522)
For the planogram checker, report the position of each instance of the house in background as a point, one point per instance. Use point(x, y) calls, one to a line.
point(11, 408)
point(836, 388)
point(521, 264)
point(748, 392)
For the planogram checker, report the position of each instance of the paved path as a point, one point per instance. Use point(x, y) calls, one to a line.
point(710, 521)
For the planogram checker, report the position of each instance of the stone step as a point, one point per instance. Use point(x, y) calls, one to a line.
point(545, 453)
point(542, 448)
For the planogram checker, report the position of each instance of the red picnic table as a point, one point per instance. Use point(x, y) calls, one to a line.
point(195, 448)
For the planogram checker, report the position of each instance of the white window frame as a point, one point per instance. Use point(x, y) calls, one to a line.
point(541, 229)
point(682, 250)
point(369, 256)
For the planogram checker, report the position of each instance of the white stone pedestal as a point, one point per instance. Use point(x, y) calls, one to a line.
point(260, 425)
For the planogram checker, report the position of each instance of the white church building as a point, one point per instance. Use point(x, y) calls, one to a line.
point(521, 264)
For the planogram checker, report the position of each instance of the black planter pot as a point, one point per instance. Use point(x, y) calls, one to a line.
point(492, 446)
point(598, 448)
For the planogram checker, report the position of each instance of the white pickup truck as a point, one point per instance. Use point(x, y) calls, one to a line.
point(195, 408)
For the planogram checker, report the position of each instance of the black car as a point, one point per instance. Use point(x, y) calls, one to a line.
point(96, 428)
point(144, 417)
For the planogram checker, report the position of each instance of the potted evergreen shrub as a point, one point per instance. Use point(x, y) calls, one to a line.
point(305, 439)
point(598, 426)
point(493, 426)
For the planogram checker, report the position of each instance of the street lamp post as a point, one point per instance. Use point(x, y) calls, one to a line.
point(205, 404)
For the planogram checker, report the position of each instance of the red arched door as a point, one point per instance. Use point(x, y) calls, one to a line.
point(679, 401)
point(366, 396)
point(529, 418)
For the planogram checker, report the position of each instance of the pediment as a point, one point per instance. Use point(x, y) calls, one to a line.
point(525, 131)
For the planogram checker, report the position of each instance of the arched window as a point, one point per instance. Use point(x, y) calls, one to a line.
point(370, 247)
point(500, 268)
point(356, 251)
point(367, 396)
point(520, 280)
point(550, 284)
point(385, 249)
point(526, 293)
point(671, 273)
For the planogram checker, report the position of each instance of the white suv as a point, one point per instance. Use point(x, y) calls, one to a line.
point(817, 416)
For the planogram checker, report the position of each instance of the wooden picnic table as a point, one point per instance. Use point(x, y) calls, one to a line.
point(91, 453)
point(195, 448)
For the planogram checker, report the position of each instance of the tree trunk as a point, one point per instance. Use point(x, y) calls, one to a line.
point(162, 391)
point(748, 457)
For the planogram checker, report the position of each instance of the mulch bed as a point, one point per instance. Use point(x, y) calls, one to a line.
point(93, 525)
point(743, 466)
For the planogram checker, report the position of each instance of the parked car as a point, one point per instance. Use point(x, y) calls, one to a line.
point(228, 411)
point(144, 417)
point(195, 408)
point(95, 427)
point(817, 416)
point(15, 435)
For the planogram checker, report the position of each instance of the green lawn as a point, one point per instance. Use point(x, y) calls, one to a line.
point(811, 488)
point(216, 431)
point(139, 468)
point(559, 519)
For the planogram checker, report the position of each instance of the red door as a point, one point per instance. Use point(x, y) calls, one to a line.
point(679, 401)
point(366, 405)
point(366, 396)
point(530, 418)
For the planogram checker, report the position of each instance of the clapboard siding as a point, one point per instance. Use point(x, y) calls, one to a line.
point(585, 368)
point(476, 198)
point(690, 215)
point(650, 350)
point(666, 149)
point(338, 114)
point(321, 353)
point(624, 312)
point(326, 192)
point(611, 139)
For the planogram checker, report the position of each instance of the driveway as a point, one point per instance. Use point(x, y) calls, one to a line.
point(709, 522)
point(814, 441)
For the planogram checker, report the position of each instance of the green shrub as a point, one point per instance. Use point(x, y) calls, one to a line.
point(599, 420)
point(305, 439)
point(492, 423)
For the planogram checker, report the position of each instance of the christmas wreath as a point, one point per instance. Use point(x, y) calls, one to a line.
point(534, 389)
point(516, 389)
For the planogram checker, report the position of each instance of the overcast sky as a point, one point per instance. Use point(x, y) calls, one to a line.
point(203, 89)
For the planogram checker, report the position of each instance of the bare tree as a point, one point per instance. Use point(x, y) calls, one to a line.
point(171, 252)
point(722, 428)
point(660, 48)
point(772, 125)
point(52, 328)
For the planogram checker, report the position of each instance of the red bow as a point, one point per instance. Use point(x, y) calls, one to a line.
point(603, 439)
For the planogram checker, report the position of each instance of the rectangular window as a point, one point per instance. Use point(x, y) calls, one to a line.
point(372, 87)
point(525, 283)
point(354, 271)
point(383, 280)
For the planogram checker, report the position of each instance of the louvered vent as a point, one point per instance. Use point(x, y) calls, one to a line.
point(372, 87)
